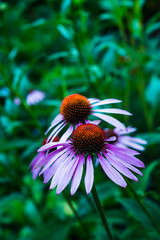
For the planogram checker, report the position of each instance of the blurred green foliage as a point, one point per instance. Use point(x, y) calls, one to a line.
point(101, 49)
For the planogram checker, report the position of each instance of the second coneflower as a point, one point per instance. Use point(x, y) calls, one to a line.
point(123, 140)
point(87, 142)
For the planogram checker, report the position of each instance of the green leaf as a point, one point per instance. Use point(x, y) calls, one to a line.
point(34, 24)
point(133, 207)
point(146, 174)
point(64, 32)
point(153, 91)
point(55, 56)
point(13, 144)
point(32, 213)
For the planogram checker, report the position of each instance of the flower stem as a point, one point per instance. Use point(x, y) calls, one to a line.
point(101, 211)
point(143, 207)
point(76, 214)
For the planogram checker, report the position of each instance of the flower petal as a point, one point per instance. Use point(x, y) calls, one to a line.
point(120, 167)
point(66, 135)
point(106, 101)
point(66, 175)
point(113, 110)
point(50, 145)
point(55, 121)
point(56, 130)
point(89, 177)
point(77, 176)
point(113, 174)
point(109, 119)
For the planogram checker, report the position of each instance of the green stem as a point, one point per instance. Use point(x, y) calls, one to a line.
point(101, 212)
point(64, 84)
point(142, 206)
point(144, 104)
point(127, 98)
point(76, 214)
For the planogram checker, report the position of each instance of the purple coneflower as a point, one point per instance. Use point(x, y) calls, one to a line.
point(34, 97)
point(123, 141)
point(88, 142)
point(75, 109)
point(17, 101)
point(35, 170)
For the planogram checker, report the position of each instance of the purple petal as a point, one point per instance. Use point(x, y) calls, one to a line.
point(66, 134)
point(118, 149)
point(130, 159)
point(93, 100)
point(49, 173)
point(55, 121)
point(66, 176)
point(112, 110)
point(131, 144)
point(120, 167)
point(113, 174)
point(56, 131)
point(111, 139)
point(127, 131)
point(126, 164)
point(61, 155)
point(134, 139)
point(47, 158)
point(109, 119)
point(89, 175)
point(51, 145)
point(37, 158)
point(60, 171)
point(35, 172)
point(96, 122)
point(106, 101)
point(77, 176)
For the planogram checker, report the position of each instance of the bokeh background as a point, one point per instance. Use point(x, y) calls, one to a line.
point(100, 49)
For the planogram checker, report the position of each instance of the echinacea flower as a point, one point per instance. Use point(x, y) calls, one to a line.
point(123, 141)
point(34, 97)
point(17, 101)
point(75, 109)
point(35, 170)
point(88, 142)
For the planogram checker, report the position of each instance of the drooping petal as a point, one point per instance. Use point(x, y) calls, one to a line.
point(77, 176)
point(37, 159)
point(66, 134)
point(50, 145)
point(118, 149)
point(132, 144)
point(127, 130)
point(62, 156)
point(109, 119)
point(56, 131)
point(66, 175)
point(48, 157)
point(49, 173)
point(89, 177)
point(121, 168)
point(130, 159)
point(60, 171)
point(55, 121)
point(128, 165)
point(113, 174)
